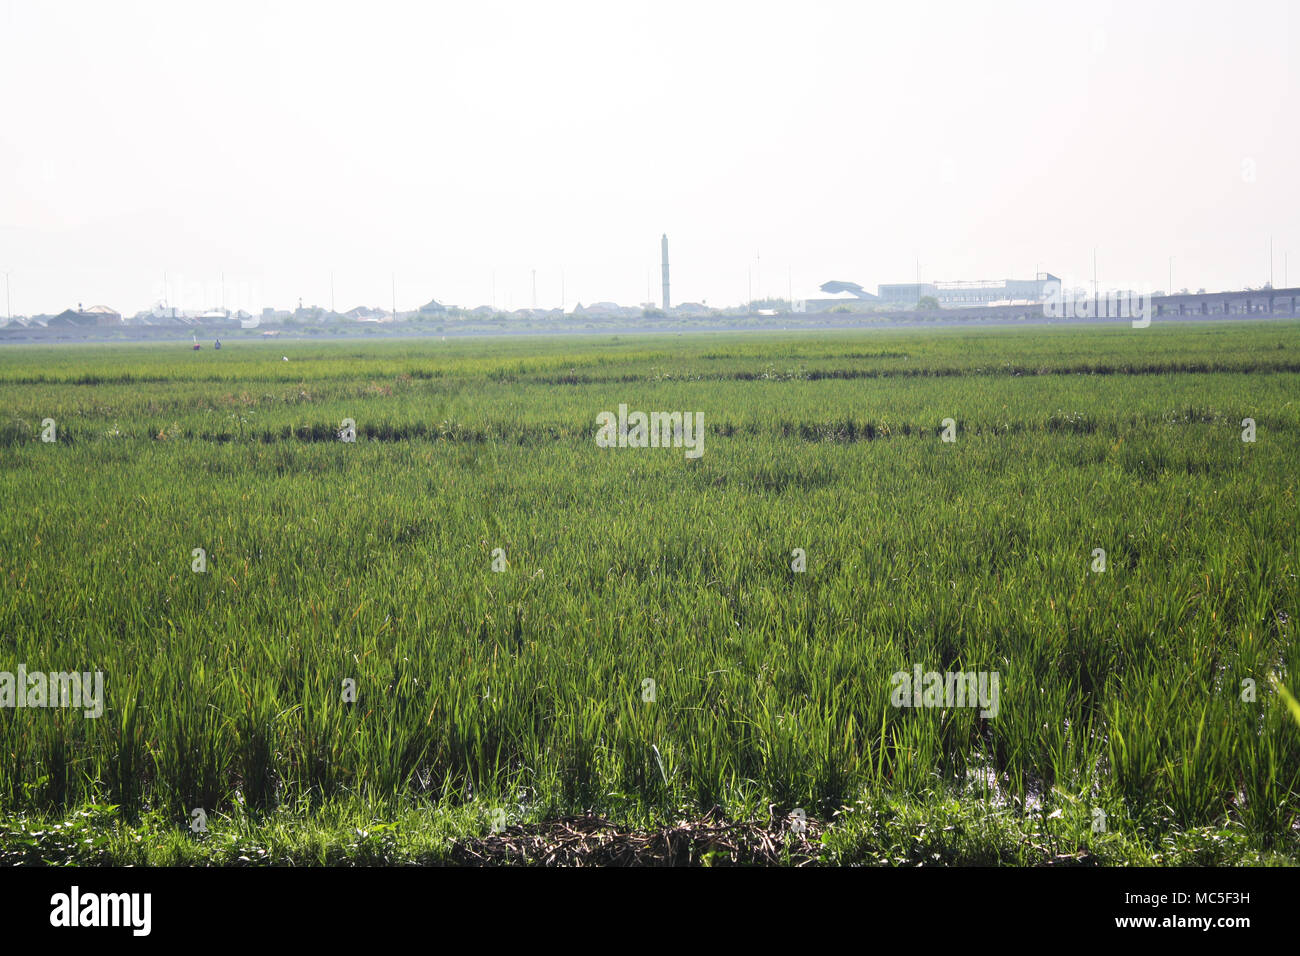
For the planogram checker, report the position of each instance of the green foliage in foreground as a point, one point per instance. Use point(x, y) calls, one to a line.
point(928, 829)
point(1120, 691)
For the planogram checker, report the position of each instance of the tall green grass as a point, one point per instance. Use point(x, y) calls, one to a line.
point(372, 562)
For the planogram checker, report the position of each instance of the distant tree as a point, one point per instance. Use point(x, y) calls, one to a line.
point(927, 303)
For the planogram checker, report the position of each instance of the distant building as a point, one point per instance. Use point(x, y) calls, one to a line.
point(363, 313)
point(432, 307)
point(966, 295)
point(608, 309)
point(96, 315)
point(959, 295)
point(836, 287)
point(905, 294)
point(153, 318)
point(160, 314)
point(842, 296)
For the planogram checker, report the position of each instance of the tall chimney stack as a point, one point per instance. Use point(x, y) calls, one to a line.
point(667, 302)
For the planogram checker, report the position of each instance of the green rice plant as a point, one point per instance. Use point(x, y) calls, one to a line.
point(1144, 690)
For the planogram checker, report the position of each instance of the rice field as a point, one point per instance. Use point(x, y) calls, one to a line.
point(474, 617)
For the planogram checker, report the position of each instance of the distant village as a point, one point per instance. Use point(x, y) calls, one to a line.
point(162, 317)
point(1002, 300)
point(989, 299)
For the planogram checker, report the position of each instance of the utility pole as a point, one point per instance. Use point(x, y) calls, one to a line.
point(1171, 275)
point(331, 290)
point(1094, 282)
point(394, 296)
point(663, 265)
point(534, 290)
point(9, 309)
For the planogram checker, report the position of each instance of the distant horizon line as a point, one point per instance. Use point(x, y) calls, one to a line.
point(564, 308)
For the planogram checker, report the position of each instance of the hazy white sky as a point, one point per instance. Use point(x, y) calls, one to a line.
point(448, 142)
